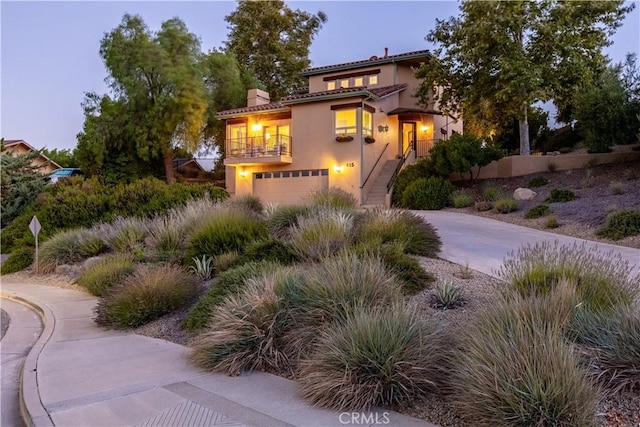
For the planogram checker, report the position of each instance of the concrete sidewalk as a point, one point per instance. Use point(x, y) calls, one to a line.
point(483, 243)
point(78, 374)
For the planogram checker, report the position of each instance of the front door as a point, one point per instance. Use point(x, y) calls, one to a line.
point(408, 136)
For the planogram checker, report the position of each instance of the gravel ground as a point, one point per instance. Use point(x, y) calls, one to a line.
point(581, 217)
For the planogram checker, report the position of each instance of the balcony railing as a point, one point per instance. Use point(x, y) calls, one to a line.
point(259, 146)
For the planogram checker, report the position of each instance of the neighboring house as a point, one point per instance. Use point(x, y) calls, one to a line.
point(188, 167)
point(19, 146)
point(352, 128)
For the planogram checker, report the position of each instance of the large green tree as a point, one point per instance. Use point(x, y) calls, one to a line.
point(156, 78)
point(497, 58)
point(272, 41)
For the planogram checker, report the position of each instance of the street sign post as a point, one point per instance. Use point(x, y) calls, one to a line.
point(35, 227)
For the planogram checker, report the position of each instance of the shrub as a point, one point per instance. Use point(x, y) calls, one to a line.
point(329, 291)
point(564, 150)
point(226, 261)
point(18, 260)
point(333, 197)
point(379, 356)
point(505, 205)
point(396, 226)
point(231, 282)
point(245, 204)
point(538, 181)
point(613, 341)
point(538, 212)
point(246, 332)
point(126, 235)
point(447, 295)
point(551, 222)
point(516, 369)
point(321, 235)
point(202, 268)
point(616, 187)
point(281, 219)
point(621, 224)
point(482, 206)
point(552, 167)
point(410, 173)
point(603, 282)
point(461, 199)
point(559, 195)
point(68, 247)
point(227, 231)
point(146, 295)
point(461, 153)
point(491, 194)
point(106, 273)
point(411, 276)
point(269, 250)
point(427, 193)
point(166, 238)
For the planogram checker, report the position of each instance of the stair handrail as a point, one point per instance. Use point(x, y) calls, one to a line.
point(374, 166)
point(392, 181)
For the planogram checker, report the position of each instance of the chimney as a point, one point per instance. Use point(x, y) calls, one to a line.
point(386, 52)
point(257, 97)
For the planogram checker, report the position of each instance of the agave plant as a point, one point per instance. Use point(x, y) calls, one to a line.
point(203, 267)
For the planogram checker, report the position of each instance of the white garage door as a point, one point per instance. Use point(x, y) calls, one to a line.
point(288, 187)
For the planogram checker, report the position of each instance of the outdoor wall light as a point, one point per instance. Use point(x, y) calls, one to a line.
point(243, 173)
point(384, 128)
point(424, 128)
point(338, 168)
point(256, 127)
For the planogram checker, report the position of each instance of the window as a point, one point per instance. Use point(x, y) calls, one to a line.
point(331, 85)
point(344, 83)
point(373, 79)
point(358, 81)
point(367, 123)
point(346, 121)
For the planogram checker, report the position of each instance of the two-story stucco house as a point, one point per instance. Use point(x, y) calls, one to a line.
point(352, 128)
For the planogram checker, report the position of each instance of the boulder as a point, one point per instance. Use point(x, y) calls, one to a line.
point(524, 194)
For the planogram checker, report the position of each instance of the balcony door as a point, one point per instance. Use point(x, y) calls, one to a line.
point(237, 142)
point(276, 139)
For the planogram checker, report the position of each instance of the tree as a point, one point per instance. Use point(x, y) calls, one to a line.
point(157, 82)
point(225, 89)
point(604, 113)
point(20, 182)
point(506, 55)
point(460, 154)
point(272, 41)
point(507, 136)
point(65, 158)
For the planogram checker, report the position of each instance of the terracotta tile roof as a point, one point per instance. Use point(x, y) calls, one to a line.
point(374, 60)
point(256, 108)
point(388, 90)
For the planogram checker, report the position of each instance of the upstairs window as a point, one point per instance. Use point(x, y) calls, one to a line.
point(346, 122)
point(358, 81)
point(331, 85)
point(373, 79)
point(344, 83)
point(367, 123)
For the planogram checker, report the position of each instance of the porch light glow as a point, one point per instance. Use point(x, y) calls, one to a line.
point(243, 173)
point(424, 128)
point(338, 168)
point(256, 127)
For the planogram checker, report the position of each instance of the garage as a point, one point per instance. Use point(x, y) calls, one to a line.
point(289, 187)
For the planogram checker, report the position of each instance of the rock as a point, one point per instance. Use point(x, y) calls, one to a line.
point(524, 194)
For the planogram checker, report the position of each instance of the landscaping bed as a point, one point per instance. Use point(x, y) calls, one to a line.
point(600, 190)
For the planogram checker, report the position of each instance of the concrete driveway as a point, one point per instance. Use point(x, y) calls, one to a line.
point(483, 243)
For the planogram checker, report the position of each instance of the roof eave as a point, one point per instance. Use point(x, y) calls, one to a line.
point(252, 113)
point(360, 93)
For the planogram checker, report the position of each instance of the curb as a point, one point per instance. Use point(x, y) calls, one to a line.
point(33, 412)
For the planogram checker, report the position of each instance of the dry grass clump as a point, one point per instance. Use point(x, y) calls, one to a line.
point(105, 273)
point(146, 295)
point(376, 356)
point(321, 234)
point(334, 198)
point(68, 247)
point(516, 369)
point(246, 331)
point(126, 235)
point(281, 219)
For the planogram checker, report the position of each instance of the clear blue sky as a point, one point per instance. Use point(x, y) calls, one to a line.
point(50, 49)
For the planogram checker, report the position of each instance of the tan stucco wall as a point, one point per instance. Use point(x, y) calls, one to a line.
point(525, 165)
point(385, 78)
point(42, 162)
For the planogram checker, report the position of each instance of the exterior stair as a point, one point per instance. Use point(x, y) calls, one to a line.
point(378, 192)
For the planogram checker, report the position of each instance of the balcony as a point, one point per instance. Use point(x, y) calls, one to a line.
point(259, 150)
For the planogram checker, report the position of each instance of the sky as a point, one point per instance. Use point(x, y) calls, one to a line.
point(50, 50)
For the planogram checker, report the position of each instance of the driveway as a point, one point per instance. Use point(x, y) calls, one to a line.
point(483, 243)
